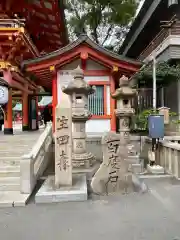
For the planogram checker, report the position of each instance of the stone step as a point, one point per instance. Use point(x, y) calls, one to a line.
point(20, 140)
point(9, 184)
point(9, 171)
point(9, 187)
point(13, 154)
point(13, 144)
point(13, 161)
point(13, 199)
point(9, 180)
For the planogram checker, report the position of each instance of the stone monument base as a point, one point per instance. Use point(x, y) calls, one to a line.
point(126, 184)
point(49, 194)
point(156, 169)
point(84, 160)
point(89, 172)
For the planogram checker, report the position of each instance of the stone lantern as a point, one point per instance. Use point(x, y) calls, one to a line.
point(124, 111)
point(79, 90)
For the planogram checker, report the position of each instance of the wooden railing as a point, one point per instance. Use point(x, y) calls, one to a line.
point(32, 165)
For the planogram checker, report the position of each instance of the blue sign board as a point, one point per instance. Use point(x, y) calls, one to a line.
point(156, 126)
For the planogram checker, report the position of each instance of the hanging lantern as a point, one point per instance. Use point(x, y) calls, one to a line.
point(3, 92)
point(172, 2)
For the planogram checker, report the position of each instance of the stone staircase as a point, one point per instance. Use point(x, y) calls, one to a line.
point(11, 150)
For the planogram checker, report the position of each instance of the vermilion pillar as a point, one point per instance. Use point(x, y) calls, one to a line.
point(25, 126)
point(112, 105)
point(8, 120)
point(54, 99)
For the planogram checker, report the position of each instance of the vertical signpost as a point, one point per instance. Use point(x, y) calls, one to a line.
point(63, 143)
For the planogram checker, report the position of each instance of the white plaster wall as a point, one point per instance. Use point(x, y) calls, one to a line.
point(63, 78)
point(92, 65)
point(96, 78)
point(97, 126)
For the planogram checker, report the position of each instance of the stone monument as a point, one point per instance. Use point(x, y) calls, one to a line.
point(114, 174)
point(79, 90)
point(63, 144)
point(64, 186)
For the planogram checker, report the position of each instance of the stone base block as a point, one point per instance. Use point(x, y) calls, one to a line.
point(77, 192)
point(84, 160)
point(156, 169)
point(133, 159)
point(137, 168)
point(88, 171)
point(13, 199)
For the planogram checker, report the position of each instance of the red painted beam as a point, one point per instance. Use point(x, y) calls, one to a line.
point(56, 61)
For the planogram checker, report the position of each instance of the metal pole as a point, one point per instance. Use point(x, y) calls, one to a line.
point(154, 83)
point(162, 97)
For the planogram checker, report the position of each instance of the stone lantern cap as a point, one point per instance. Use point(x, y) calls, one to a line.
point(78, 84)
point(124, 89)
point(3, 83)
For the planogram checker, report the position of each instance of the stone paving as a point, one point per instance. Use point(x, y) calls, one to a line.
point(151, 216)
point(17, 144)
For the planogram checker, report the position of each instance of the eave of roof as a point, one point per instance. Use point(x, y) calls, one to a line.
point(82, 39)
point(44, 24)
point(135, 24)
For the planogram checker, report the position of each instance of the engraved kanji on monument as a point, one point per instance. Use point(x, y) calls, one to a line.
point(63, 143)
point(112, 175)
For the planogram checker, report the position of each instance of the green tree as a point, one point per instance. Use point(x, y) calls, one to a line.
point(105, 21)
point(165, 74)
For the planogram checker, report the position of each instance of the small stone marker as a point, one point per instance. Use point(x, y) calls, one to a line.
point(112, 175)
point(63, 143)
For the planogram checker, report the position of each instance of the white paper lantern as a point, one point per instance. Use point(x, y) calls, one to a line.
point(3, 95)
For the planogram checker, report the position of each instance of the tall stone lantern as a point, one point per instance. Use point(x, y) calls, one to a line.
point(124, 111)
point(79, 90)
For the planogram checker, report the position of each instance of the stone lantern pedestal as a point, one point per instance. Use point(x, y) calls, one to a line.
point(124, 111)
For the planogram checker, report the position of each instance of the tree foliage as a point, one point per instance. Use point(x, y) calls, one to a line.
point(105, 21)
point(140, 121)
point(165, 74)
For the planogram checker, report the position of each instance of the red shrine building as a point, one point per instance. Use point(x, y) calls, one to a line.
point(28, 29)
point(35, 55)
point(102, 68)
